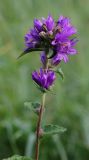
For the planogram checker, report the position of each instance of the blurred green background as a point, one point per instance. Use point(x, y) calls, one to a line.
point(68, 106)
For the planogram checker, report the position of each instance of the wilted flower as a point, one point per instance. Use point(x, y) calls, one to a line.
point(44, 78)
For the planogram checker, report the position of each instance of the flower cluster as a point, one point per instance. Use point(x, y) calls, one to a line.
point(44, 78)
point(50, 36)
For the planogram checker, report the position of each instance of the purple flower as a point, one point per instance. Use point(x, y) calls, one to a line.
point(50, 35)
point(39, 35)
point(66, 28)
point(49, 23)
point(62, 52)
point(38, 25)
point(56, 60)
point(43, 58)
point(63, 48)
point(44, 78)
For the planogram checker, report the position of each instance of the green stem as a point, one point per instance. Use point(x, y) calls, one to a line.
point(39, 126)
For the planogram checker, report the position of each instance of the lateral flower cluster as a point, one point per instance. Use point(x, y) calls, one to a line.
point(50, 36)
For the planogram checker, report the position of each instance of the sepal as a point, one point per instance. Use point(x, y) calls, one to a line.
point(29, 50)
point(60, 72)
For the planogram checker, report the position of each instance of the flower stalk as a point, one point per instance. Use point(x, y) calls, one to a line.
point(38, 132)
point(39, 126)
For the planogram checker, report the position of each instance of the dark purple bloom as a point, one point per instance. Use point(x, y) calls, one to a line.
point(38, 36)
point(56, 60)
point(44, 78)
point(50, 35)
point(65, 26)
point(64, 47)
point(38, 25)
point(62, 52)
point(43, 58)
point(49, 23)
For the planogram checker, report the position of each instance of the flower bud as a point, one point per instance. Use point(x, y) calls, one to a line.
point(43, 34)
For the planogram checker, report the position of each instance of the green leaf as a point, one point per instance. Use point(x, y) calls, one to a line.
point(60, 72)
point(34, 106)
point(17, 157)
point(30, 50)
point(53, 129)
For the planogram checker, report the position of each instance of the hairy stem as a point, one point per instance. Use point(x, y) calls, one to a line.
point(39, 126)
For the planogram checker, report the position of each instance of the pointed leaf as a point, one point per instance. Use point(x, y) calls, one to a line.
point(30, 50)
point(34, 106)
point(53, 129)
point(17, 157)
point(60, 72)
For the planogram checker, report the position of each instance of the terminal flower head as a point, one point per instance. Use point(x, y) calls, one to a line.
point(47, 35)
